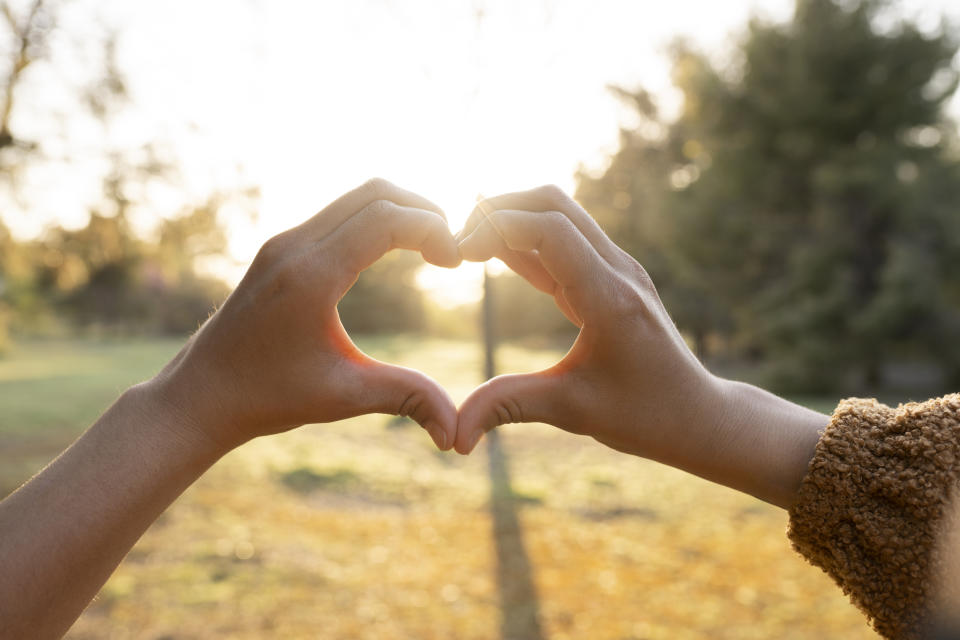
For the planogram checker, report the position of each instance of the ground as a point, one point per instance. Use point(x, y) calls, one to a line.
point(363, 530)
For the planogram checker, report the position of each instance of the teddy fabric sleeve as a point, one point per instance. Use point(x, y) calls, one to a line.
point(870, 510)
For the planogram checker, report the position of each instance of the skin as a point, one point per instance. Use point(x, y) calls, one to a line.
point(629, 381)
point(273, 357)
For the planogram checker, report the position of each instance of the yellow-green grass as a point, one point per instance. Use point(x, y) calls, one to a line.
point(363, 530)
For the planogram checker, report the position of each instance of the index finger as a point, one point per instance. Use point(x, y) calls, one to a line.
point(350, 203)
point(546, 198)
point(384, 225)
point(563, 251)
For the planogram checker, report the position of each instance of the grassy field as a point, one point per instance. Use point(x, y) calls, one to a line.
point(362, 530)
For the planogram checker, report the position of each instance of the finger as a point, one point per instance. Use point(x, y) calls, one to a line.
point(547, 198)
point(525, 264)
point(383, 225)
point(563, 251)
point(400, 391)
point(530, 397)
point(488, 243)
point(344, 207)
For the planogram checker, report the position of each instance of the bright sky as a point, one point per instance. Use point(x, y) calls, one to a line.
point(449, 98)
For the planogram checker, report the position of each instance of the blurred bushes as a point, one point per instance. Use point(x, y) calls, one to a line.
point(385, 298)
point(4, 329)
point(525, 314)
point(104, 278)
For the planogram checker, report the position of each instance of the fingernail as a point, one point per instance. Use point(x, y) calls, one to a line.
point(442, 439)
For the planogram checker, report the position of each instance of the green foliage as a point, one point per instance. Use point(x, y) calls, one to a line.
point(385, 298)
point(802, 207)
point(104, 277)
point(522, 312)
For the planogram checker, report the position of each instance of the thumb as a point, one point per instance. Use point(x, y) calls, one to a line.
point(530, 397)
point(396, 390)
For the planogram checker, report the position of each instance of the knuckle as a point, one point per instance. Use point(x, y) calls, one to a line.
point(285, 277)
point(272, 250)
point(553, 192)
point(377, 187)
point(559, 222)
point(642, 278)
point(627, 303)
point(437, 227)
point(507, 411)
point(379, 209)
point(436, 222)
point(632, 298)
point(500, 219)
point(412, 406)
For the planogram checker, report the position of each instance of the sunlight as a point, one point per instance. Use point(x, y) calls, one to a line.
point(308, 100)
point(449, 288)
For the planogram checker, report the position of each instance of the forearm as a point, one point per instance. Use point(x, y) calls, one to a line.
point(64, 532)
point(760, 443)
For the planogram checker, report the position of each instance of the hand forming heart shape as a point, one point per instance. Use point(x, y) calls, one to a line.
point(277, 349)
point(628, 356)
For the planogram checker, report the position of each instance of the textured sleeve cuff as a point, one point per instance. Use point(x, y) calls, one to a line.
point(869, 509)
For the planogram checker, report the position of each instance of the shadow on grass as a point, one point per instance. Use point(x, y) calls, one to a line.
point(519, 604)
point(304, 480)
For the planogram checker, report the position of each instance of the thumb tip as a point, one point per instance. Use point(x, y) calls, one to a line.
point(466, 440)
point(473, 421)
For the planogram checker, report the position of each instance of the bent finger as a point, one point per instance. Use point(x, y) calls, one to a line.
point(526, 264)
point(396, 390)
point(383, 225)
point(547, 198)
point(487, 243)
point(529, 397)
point(562, 250)
point(352, 202)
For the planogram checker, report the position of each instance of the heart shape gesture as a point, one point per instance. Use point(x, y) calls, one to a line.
point(275, 355)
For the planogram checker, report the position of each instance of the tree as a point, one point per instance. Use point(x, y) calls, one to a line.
point(28, 32)
point(103, 275)
point(809, 195)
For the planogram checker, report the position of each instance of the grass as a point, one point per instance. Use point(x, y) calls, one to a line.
point(363, 530)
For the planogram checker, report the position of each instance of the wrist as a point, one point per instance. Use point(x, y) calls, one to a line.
point(174, 420)
point(765, 442)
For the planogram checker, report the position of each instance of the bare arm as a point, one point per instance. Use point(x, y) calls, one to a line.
point(64, 532)
point(629, 380)
point(274, 356)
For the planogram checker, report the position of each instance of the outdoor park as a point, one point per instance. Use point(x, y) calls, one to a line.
point(363, 530)
point(788, 175)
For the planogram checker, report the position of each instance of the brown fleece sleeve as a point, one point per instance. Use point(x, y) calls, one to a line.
point(870, 506)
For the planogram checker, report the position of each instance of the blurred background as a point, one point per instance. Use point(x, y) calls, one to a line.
point(788, 171)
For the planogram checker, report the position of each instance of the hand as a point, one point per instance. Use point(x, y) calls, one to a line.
point(621, 380)
point(276, 356)
point(629, 380)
